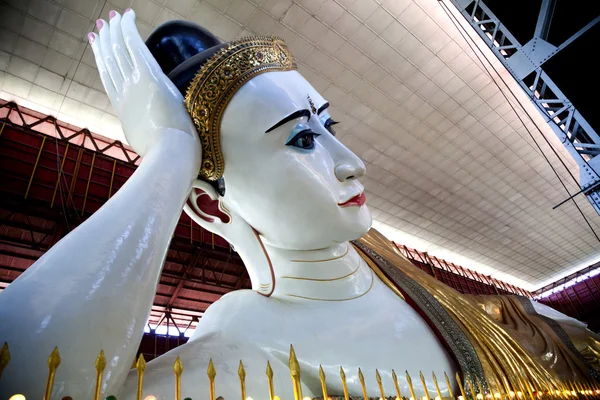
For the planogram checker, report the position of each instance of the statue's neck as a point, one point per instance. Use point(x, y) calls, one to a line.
point(336, 273)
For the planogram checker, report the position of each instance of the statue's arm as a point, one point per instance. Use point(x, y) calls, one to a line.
point(233, 328)
point(556, 315)
point(94, 289)
point(226, 353)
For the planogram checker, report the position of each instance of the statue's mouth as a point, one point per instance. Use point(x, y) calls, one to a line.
point(357, 200)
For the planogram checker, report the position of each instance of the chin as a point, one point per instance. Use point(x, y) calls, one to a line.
point(351, 224)
point(359, 224)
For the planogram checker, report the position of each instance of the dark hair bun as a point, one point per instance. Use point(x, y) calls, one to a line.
point(181, 48)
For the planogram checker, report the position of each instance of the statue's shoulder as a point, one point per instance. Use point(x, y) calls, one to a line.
point(241, 300)
point(236, 309)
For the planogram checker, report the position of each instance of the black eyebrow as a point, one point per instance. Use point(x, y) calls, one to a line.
point(294, 115)
point(322, 108)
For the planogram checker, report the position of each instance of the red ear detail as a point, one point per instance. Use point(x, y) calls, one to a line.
point(210, 207)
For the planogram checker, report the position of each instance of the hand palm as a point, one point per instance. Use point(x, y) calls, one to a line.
point(143, 97)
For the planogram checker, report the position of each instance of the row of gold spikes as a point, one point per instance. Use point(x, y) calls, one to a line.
point(588, 389)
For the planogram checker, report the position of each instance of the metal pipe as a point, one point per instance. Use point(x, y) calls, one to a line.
point(112, 177)
point(62, 164)
point(584, 191)
point(37, 160)
point(87, 186)
point(75, 173)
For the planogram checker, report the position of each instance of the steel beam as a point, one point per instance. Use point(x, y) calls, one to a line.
point(544, 19)
point(524, 62)
point(186, 272)
point(580, 32)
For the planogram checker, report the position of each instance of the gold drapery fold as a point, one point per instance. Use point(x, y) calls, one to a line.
point(500, 352)
point(535, 334)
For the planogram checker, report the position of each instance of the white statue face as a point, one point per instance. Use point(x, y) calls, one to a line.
point(286, 174)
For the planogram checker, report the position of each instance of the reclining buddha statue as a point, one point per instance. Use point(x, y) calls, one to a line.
point(235, 136)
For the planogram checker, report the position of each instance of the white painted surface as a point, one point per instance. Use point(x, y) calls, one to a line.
point(451, 170)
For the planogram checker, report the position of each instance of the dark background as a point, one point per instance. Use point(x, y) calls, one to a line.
point(575, 69)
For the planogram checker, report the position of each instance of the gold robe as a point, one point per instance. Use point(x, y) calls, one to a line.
point(510, 347)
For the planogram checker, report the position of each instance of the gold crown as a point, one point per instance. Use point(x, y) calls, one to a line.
point(219, 79)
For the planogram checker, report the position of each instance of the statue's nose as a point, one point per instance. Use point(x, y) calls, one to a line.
point(350, 170)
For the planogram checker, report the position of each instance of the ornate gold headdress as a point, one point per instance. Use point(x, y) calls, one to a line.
point(219, 79)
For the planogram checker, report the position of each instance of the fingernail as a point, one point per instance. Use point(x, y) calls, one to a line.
point(129, 9)
point(99, 24)
point(112, 14)
point(91, 37)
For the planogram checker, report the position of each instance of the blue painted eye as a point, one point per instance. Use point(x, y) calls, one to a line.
point(304, 140)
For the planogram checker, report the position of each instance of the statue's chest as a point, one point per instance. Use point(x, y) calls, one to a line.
point(377, 331)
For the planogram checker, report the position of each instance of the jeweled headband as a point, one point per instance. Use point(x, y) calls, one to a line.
point(219, 79)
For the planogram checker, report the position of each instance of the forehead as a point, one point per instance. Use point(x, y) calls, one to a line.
point(267, 98)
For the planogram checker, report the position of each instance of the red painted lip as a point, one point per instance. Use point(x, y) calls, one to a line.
point(357, 200)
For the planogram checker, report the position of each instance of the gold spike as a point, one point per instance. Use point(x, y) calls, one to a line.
point(582, 390)
point(424, 385)
point(480, 387)
point(53, 363)
point(212, 373)
point(378, 377)
point(323, 382)
point(530, 390)
point(579, 387)
point(395, 379)
point(437, 387)
point(178, 370)
point(140, 365)
point(516, 383)
point(100, 365)
point(586, 387)
point(519, 386)
point(361, 378)
point(460, 386)
point(344, 386)
point(269, 373)
point(470, 383)
point(507, 386)
point(4, 353)
point(574, 388)
point(242, 375)
point(494, 388)
point(448, 385)
point(295, 374)
point(410, 386)
point(571, 386)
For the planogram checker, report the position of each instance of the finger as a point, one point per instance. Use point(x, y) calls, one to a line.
point(104, 77)
point(118, 45)
point(108, 56)
point(140, 55)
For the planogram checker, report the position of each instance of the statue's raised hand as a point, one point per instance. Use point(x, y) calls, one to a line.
point(146, 101)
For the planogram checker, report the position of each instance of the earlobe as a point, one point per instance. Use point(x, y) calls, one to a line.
point(206, 202)
point(206, 208)
point(210, 208)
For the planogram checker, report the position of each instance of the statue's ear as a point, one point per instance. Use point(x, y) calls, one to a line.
point(206, 208)
point(205, 203)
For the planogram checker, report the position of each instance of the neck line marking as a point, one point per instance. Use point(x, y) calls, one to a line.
point(328, 259)
point(322, 280)
point(349, 298)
